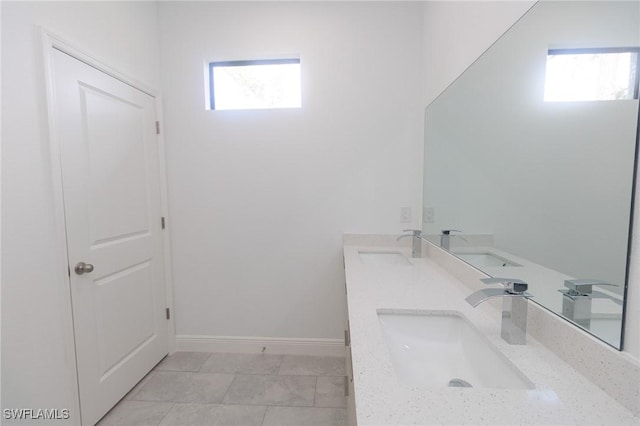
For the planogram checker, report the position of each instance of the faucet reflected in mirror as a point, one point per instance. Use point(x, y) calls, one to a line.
point(514, 306)
point(445, 238)
point(577, 299)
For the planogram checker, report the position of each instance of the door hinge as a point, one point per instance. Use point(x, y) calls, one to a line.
point(157, 127)
point(163, 222)
point(168, 311)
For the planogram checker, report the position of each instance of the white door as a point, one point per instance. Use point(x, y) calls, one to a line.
point(111, 184)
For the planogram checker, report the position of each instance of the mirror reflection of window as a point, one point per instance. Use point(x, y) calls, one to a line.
point(591, 75)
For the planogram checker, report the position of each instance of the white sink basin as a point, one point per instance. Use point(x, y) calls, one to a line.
point(481, 260)
point(442, 348)
point(383, 258)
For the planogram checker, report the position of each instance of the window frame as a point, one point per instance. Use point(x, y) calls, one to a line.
point(241, 63)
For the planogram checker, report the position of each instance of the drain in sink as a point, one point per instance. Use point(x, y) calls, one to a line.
point(459, 383)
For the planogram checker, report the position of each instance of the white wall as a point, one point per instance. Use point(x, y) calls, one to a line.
point(457, 32)
point(259, 199)
point(38, 369)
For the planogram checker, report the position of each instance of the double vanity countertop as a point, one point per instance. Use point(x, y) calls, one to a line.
point(561, 396)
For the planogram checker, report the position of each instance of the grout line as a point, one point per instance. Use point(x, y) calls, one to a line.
point(253, 404)
point(173, 404)
point(264, 416)
point(205, 361)
point(315, 392)
point(229, 387)
point(276, 375)
point(280, 366)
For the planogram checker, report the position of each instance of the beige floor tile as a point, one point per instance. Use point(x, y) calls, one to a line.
point(312, 365)
point(203, 388)
point(136, 413)
point(271, 390)
point(242, 363)
point(305, 416)
point(133, 392)
point(191, 415)
point(241, 415)
point(214, 414)
point(330, 392)
point(235, 389)
point(183, 361)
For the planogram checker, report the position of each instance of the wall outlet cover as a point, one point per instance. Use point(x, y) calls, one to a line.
point(405, 215)
point(428, 215)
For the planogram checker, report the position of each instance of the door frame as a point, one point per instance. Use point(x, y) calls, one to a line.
point(51, 42)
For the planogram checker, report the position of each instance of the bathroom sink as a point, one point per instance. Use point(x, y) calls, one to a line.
point(383, 258)
point(442, 348)
point(481, 260)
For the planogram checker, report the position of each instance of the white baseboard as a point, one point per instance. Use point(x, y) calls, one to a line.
point(282, 345)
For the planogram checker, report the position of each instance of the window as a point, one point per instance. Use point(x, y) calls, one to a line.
point(259, 84)
point(591, 74)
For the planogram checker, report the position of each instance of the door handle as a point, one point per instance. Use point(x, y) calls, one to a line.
point(83, 268)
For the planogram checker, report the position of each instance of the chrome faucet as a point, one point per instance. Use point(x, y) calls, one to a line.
point(514, 306)
point(445, 238)
point(416, 235)
point(576, 299)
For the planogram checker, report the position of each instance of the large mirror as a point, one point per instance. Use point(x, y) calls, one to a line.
point(539, 185)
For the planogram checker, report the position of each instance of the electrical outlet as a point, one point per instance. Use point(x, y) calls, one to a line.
point(405, 215)
point(428, 215)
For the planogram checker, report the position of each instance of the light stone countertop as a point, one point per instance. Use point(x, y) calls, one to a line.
point(561, 396)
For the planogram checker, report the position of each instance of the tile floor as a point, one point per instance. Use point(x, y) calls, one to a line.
point(197, 388)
